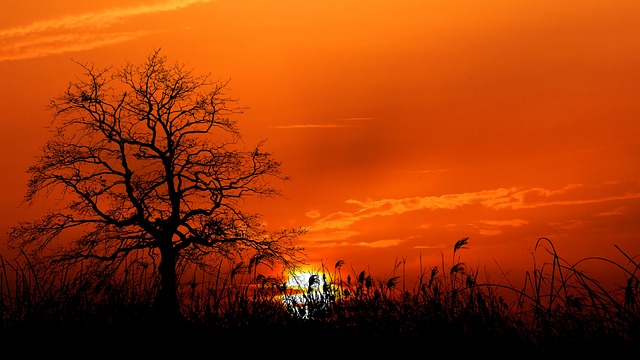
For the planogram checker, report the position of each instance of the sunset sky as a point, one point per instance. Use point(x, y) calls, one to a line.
point(405, 125)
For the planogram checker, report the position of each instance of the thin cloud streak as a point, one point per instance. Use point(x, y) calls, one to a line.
point(310, 126)
point(379, 243)
point(498, 223)
point(616, 212)
point(72, 33)
point(357, 119)
point(429, 171)
point(60, 44)
point(497, 199)
point(97, 19)
point(323, 126)
point(494, 227)
point(388, 207)
point(569, 195)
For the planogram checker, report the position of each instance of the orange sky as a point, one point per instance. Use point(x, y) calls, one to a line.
point(405, 125)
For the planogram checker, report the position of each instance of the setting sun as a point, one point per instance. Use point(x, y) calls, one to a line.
point(307, 292)
point(306, 280)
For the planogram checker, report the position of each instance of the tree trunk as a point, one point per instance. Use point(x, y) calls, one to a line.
point(167, 306)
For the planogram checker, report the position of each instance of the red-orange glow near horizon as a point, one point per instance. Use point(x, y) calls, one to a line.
point(404, 125)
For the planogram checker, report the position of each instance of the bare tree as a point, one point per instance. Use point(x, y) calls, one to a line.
point(145, 160)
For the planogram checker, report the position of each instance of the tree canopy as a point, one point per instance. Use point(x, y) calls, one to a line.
point(146, 161)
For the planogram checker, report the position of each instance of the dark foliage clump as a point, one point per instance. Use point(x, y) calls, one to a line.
point(558, 310)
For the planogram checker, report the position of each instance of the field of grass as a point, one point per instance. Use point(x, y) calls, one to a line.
point(559, 310)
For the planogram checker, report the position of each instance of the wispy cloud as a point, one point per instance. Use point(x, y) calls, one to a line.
point(329, 238)
point(388, 207)
point(78, 32)
point(498, 199)
point(623, 210)
point(501, 223)
point(379, 243)
point(495, 227)
point(346, 123)
point(429, 247)
point(357, 119)
point(345, 238)
point(310, 126)
point(60, 44)
point(351, 229)
point(428, 171)
point(314, 214)
point(574, 194)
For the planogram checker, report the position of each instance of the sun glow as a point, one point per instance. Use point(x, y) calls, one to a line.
point(306, 280)
point(307, 293)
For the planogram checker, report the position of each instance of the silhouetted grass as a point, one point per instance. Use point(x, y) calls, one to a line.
point(557, 309)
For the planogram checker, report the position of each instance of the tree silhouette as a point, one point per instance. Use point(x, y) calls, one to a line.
point(147, 162)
